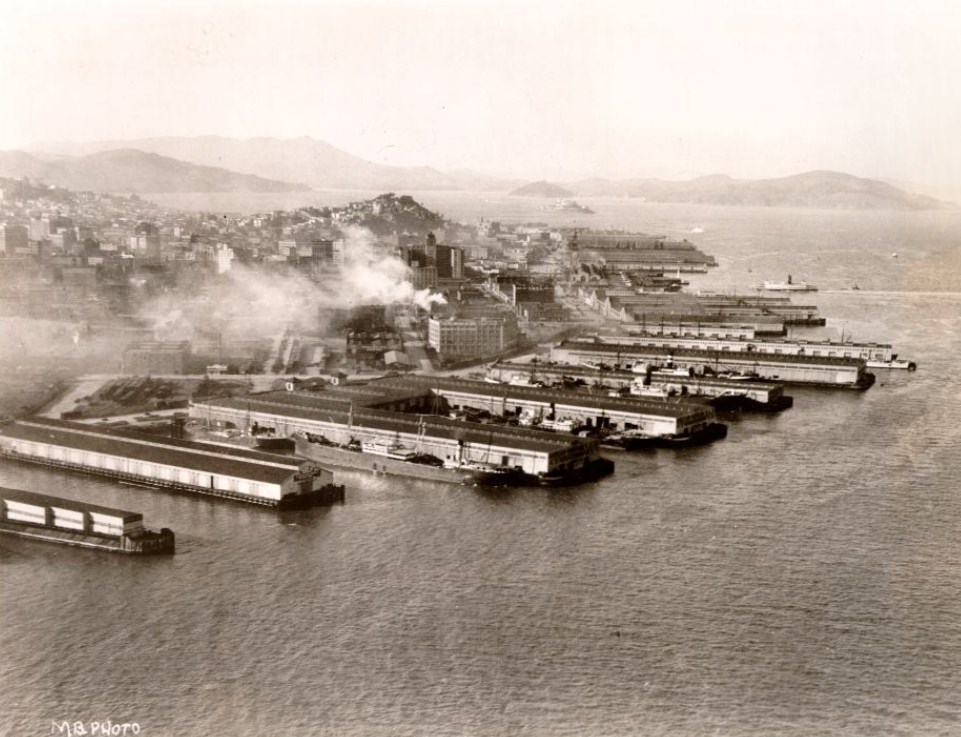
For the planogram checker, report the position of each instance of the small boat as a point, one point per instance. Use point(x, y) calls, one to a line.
point(788, 286)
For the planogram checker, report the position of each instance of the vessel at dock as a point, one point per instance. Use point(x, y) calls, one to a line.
point(451, 471)
point(51, 519)
point(634, 440)
point(315, 448)
point(387, 449)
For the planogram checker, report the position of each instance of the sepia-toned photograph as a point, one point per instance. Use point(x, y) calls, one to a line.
point(475, 368)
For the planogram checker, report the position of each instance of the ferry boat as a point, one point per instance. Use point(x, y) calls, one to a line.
point(789, 286)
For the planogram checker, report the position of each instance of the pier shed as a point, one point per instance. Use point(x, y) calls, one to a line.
point(238, 474)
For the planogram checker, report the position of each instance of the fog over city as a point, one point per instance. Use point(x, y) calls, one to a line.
point(557, 90)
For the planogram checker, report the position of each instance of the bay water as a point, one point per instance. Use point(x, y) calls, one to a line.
point(801, 577)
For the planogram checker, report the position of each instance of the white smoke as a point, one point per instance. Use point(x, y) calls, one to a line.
point(245, 296)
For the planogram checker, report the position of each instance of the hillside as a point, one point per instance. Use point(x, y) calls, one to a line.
point(128, 170)
point(541, 189)
point(316, 163)
point(816, 189)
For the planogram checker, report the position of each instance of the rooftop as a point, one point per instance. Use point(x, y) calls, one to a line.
point(154, 449)
point(31, 497)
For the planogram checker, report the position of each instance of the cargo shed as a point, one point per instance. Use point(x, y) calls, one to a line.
point(214, 470)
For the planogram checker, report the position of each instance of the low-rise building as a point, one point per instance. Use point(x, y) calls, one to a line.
point(156, 357)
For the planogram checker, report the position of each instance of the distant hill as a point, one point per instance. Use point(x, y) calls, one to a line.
point(817, 189)
point(128, 170)
point(541, 189)
point(316, 163)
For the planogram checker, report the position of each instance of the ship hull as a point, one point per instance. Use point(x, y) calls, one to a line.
point(714, 431)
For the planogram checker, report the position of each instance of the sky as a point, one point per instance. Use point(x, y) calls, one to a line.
point(532, 89)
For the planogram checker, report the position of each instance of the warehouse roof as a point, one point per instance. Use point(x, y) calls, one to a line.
point(432, 426)
point(193, 456)
point(32, 497)
point(758, 357)
point(566, 398)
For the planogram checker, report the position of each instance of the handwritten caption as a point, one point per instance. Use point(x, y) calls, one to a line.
point(94, 729)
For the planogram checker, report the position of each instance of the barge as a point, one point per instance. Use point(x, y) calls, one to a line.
point(51, 519)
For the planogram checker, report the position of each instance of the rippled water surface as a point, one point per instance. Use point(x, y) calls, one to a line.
point(801, 577)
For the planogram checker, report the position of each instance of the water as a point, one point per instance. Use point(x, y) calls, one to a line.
point(798, 578)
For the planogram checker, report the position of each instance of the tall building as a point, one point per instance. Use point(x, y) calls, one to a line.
point(450, 262)
point(223, 256)
point(39, 228)
point(14, 239)
point(423, 272)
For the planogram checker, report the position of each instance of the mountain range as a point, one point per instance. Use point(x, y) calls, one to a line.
point(220, 164)
point(315, 163)
point(820, 189)
point(130, 170)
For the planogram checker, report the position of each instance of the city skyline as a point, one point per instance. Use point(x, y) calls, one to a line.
point(534, 90)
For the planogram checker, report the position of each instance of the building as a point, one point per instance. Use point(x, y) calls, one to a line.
point(214, 470)
point(14, 239)
point(748, 344)
point(387, 412)
point(156, 357)
point(223, 257)
point(464, 337)
point(651, 416)
point(518, 289)
point(449, 261)
point(639, 252)
point(824, 371)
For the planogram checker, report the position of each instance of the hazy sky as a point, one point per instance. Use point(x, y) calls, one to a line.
point(534, 89)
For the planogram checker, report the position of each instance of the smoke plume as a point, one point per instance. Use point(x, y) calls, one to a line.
point(253, 301)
